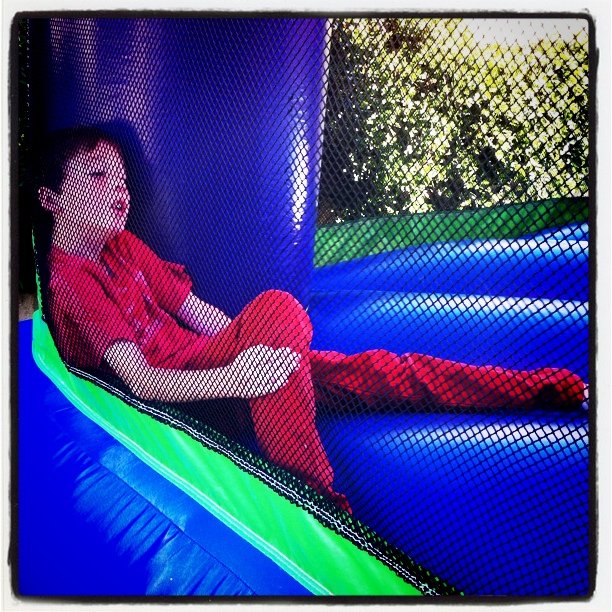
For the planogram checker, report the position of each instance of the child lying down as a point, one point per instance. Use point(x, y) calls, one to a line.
point(116, 305)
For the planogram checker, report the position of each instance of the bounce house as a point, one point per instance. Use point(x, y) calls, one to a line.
point(477, 484)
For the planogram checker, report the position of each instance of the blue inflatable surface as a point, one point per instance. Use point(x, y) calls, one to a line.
point(457, 309)
point(496, 504)
point(95, 520)
point(551, 265)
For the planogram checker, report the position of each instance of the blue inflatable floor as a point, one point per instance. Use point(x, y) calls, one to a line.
point(496, 504)
point(94, 520)
point(519, 304)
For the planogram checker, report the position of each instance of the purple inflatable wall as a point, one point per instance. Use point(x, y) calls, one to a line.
point(221, 120)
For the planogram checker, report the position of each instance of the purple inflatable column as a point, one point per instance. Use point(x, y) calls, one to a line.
point(222, 122)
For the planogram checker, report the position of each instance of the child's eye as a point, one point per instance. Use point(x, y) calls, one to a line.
point(97, 174)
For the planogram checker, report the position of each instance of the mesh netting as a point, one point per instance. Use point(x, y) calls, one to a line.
point(451, 114)
point(351, 253)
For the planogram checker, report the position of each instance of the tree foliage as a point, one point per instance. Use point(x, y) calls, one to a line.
point(421, 116)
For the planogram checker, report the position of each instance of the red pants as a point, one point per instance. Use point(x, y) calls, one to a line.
point(284, 421)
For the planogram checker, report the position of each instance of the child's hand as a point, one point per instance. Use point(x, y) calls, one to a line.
point(261, 370)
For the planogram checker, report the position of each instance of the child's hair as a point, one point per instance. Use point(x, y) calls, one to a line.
point(62, 146)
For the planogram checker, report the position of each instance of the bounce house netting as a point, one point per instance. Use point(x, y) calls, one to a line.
point(351, 255)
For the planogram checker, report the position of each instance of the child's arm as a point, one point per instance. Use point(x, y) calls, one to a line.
point(202, 317)
point(256, 371)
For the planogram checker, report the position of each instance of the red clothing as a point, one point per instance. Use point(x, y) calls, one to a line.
point(131, 294)
point(134, 295)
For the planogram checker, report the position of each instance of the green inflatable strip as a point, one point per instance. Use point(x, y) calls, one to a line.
point(316, 556)
point(354, 239)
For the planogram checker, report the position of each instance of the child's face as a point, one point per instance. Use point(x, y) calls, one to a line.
point(93, 197)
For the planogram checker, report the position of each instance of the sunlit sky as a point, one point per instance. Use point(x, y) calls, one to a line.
point(525, 31)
